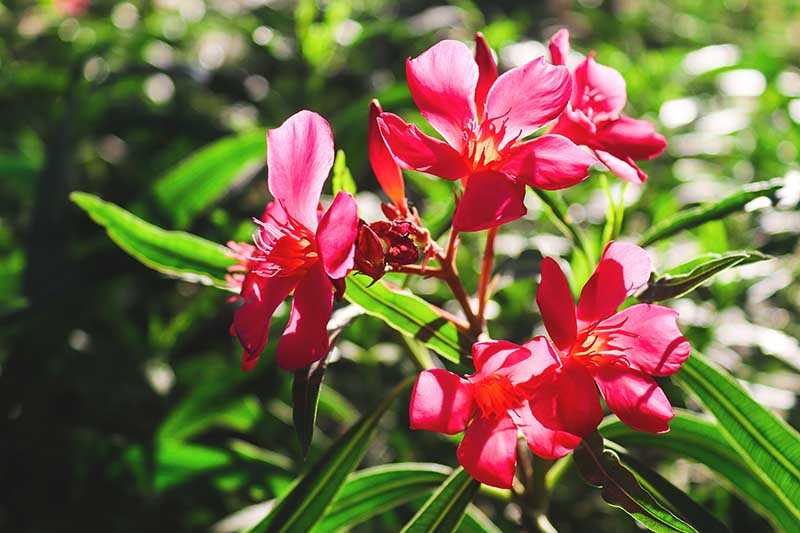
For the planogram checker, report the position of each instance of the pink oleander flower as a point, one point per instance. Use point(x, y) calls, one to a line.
point(618, 353)
point(390, 176)
point(491, 407)
point(298, 247)
point(594, 116)
point(485, 120)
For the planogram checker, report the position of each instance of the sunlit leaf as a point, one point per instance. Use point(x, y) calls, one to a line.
point(342, 180)
point(203, 178)
point(444, 510)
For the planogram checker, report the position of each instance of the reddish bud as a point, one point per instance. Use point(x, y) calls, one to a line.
point(389, 175)
point(369, 256)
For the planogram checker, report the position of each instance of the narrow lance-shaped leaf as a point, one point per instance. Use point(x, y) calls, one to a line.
point(409, 314)
point(310, 496)
point(174, 253)
point(766, 444)
point(602, 468)
point(476, 522)
point(694, 438)
point(445, 509)
point(691, 218)
point(207, 175)
point(687, 277)
point(342, 180)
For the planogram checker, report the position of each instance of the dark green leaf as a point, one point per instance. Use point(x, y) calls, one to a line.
point(687, 277)
point(409, 314)
point(445, 509)
point(766, 444)
point(208, 174)
point(700, 440)
point(305, 397)
point(691, 218)
point(311, 495)
point(476, 522)
point(174, 253)
point(602, 468)
point(342, 180)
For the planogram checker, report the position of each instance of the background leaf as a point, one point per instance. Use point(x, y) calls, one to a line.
point(342, 180)
point(445, 509)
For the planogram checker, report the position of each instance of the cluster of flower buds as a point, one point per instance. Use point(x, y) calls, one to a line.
point(385, 243)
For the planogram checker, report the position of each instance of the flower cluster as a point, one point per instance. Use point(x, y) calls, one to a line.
point(545, 390)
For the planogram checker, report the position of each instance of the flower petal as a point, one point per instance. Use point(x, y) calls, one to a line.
point(598, 88)
point(629, 137)
point(305, 338)
point(251, 320)
point(487, 71)
point(490, 199)
point(568, 401)
point(299, 158)
point(518, 363)
point(548, 162)
point(556, 305)
point(489, 451)
point(634, 397)
point(544, 442)
point(652, 341)
point(623, 169)
point(336, 235)
point(559, 47)
point(442, 81)
point(389, 175)
point(440, 401)
point(414, 150)
point(623, 268)
point(528, 97)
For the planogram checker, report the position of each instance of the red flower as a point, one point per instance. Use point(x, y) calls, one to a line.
point(491, 406)
point(389, 175)
point(297, 247)
point(617, 352)
point(594, 116)
point(484, 119)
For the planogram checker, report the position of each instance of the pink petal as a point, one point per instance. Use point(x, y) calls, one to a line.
point(634, 397)
point(440, 401)
point(274, 211)
point(490, 199)
point(414, 150)
point(299, 158)
point(389, 175)
point(305, 338)
point(489, 451)
point(251, 320)
point(651, 340)
point(442, 82)
point(626, 170)
point(544, 442)
point(548, 162)
point(632, 138)
point(528, 97)
point(518, 363)
point(559, 47)
point(336, 235)
point(556, 305)
point(623, 268)
point(568, 401)
point(487, 71)
point(598, 88)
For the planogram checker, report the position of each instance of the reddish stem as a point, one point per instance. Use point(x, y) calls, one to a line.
point(485, 276)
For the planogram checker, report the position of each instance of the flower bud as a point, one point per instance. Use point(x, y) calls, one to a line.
point(369, 256)
point(389, 175)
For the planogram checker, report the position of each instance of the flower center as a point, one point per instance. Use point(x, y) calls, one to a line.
point(495, 395)
point(598, 345)
point(482, 148)
point(283, 248)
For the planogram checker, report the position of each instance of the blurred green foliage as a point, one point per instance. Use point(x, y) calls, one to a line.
point(122, 406)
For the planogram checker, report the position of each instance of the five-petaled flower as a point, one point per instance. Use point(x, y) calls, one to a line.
point(600, 348)
point(485, 120)
point(492, 407)
point(298, 248)
point(594, 116)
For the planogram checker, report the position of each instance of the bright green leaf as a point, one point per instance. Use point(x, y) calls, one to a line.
point(444, 510)
point(342, 180)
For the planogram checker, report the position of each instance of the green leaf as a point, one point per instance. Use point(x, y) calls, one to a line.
point(376, 490)
point(691, 218)
point(476, 522)
point(312, 494)
point(700, 440)
point(174, 253)
point(602, 468)
point(203, 178)
point(667, 494)
point(408, 314)
point(342, 180)
point(687, 277)
point(305, 397)
point(557, 211)
point(766, 444)
point(445, 509)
